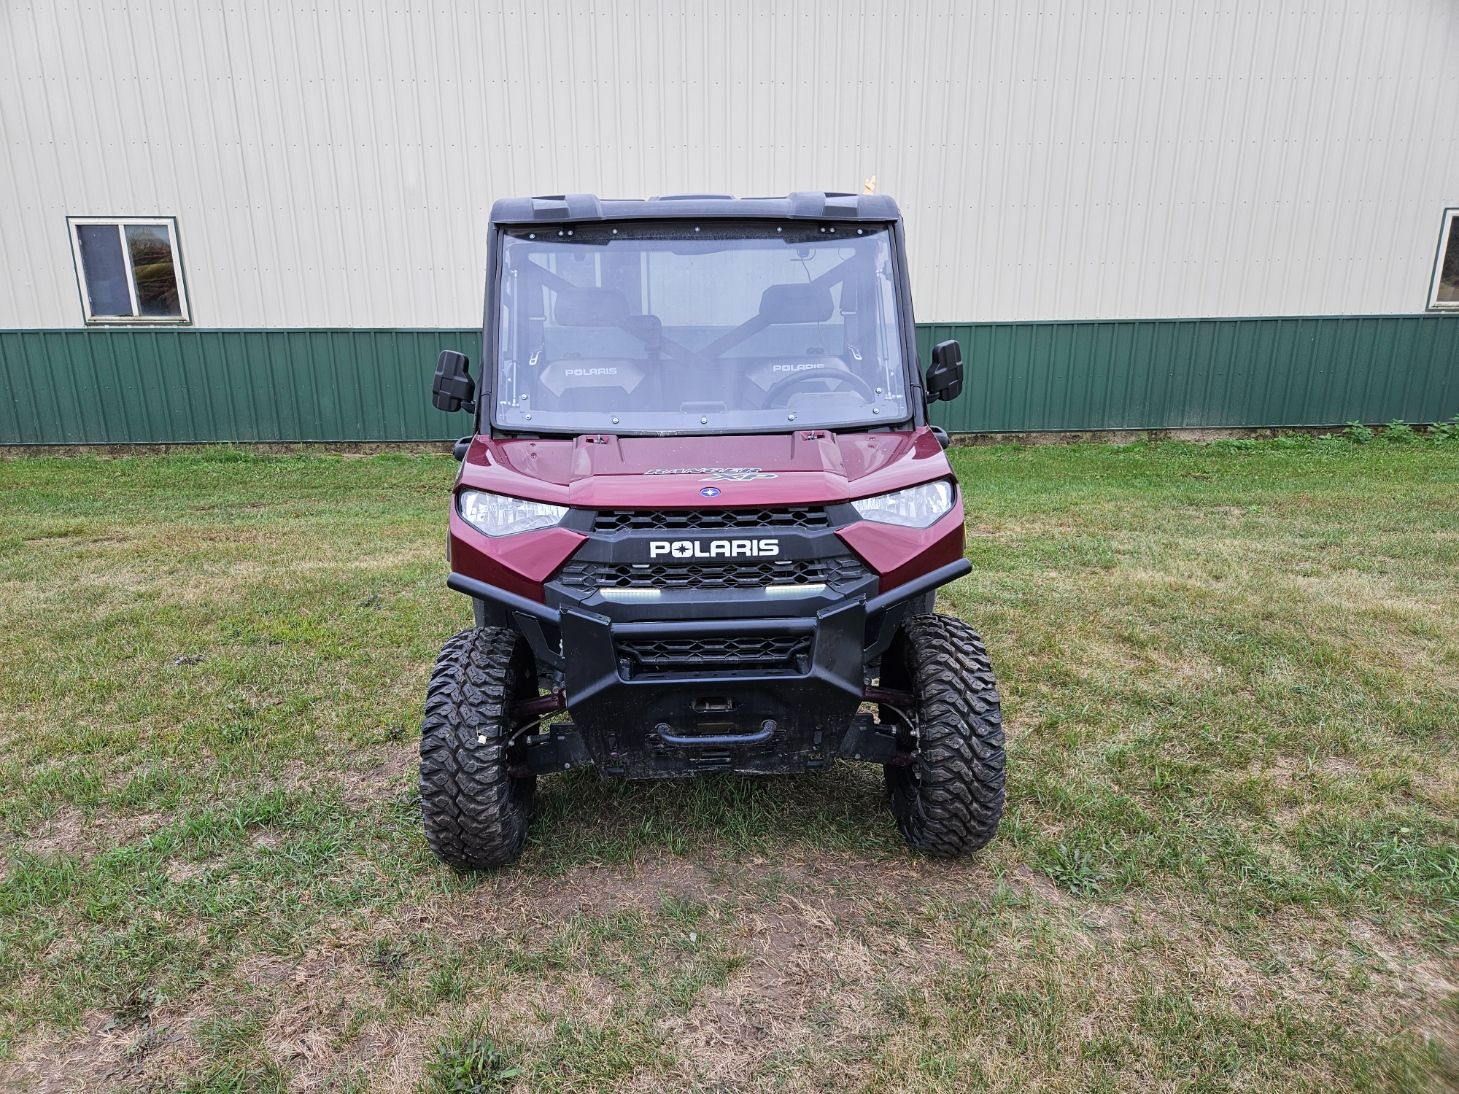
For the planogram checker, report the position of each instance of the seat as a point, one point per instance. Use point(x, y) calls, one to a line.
point(595, 384)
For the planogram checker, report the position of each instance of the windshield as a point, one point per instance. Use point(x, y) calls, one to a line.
point(661, 328)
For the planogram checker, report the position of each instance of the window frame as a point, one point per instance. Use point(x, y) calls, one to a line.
point(121, 223)
point(1447, 235)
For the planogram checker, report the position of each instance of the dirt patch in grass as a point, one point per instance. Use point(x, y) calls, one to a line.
point(91, 1058)
point(1417, 979)
point(369, 777)
point(109, 1052)
point(804, 986)
point(308, 1034)
point(839, 883)
point(1285, 771)
point(396, 772)
point(508, 901)
point(804, 954)
point(73, 834)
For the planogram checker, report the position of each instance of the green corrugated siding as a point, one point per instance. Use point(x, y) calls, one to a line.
point(1201, 373)
point(1191, 374)
point(175, 386)
point(121, 386)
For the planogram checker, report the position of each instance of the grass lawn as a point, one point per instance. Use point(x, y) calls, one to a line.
point(1230, 859)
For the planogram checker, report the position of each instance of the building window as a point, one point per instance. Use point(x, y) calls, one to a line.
point(128, 269)
point(1445, 292)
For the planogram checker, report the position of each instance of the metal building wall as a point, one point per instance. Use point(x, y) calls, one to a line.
point(331, 165)
point(181, 386)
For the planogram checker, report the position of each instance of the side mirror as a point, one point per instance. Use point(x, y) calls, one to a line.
point(454, 389)
point(945, 374)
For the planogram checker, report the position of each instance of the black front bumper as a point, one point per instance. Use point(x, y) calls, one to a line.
point(748, 684)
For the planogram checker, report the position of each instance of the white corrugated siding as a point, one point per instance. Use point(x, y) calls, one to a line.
point(334, 166)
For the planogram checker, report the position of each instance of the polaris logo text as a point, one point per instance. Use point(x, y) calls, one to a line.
point(702, 471)
point(590, 372)
point(714, 548)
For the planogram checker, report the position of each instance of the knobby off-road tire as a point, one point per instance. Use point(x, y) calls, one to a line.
point(476, 813)
point(949, 799)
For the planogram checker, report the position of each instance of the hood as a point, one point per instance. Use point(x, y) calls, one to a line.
point(808, 466)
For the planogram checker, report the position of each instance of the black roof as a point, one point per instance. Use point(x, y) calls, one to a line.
point(802, 205)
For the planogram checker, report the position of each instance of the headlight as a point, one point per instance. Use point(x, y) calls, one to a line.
point(914, 507)
point(498, 515)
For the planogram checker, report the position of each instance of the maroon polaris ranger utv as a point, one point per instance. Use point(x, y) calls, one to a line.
point(704, 514)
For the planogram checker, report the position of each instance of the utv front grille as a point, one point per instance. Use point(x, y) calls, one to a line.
point(710, 575)
point(639, 657)
point(651, 520)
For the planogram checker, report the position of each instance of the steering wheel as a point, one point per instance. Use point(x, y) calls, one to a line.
point(778, 389)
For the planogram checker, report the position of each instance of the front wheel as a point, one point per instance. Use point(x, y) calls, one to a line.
point(948, 797)
point(475, 810)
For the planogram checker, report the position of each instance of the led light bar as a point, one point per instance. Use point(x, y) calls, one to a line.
point(814, 588)
point(629, 596)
